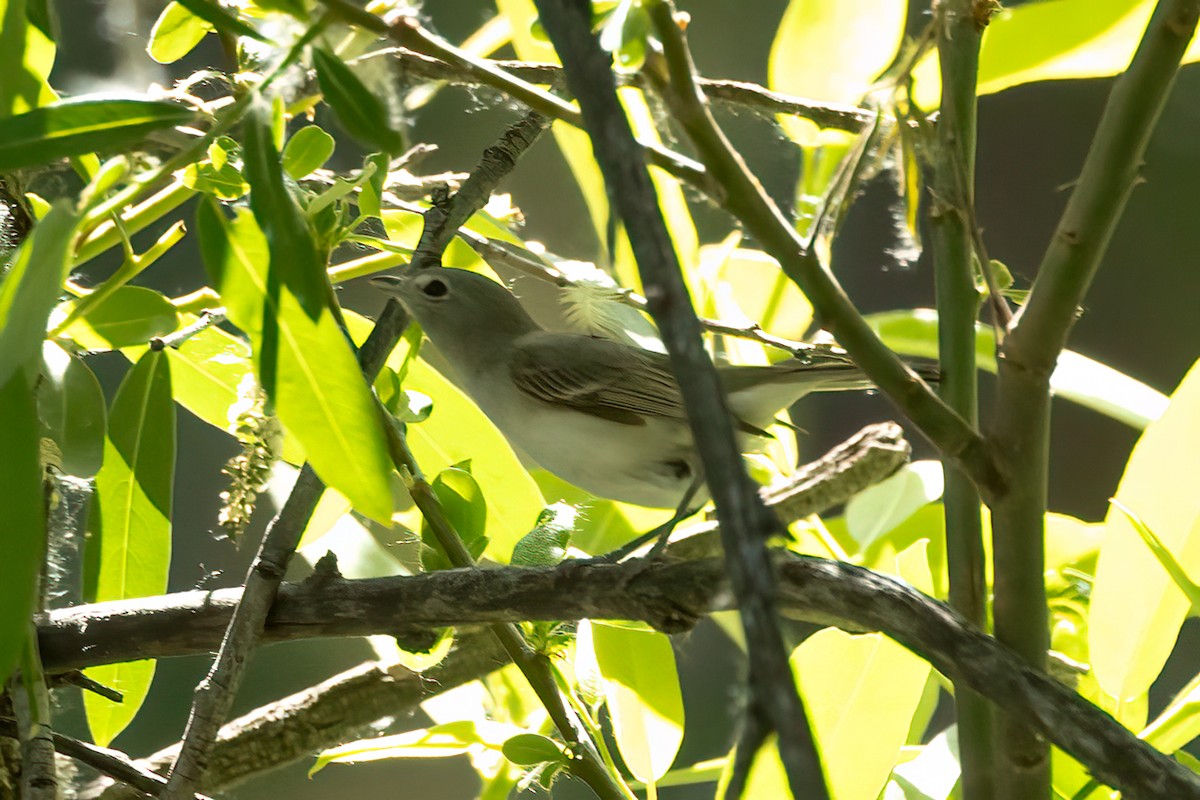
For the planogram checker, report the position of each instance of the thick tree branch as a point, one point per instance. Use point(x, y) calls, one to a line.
point(745, 522)
point(670, 596)
point(335, 711)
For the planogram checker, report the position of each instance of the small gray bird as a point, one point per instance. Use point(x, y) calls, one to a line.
point(602, 415)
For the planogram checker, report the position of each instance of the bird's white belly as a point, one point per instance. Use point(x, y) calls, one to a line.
point(650, 465)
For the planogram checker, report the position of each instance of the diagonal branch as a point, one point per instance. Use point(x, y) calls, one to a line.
point(745, 522)
point(745, 198)
point(1109, 174)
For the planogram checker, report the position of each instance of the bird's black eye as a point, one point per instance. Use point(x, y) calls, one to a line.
point(435, 288)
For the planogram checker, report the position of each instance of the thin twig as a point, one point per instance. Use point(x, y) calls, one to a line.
point(735, 93)
point(113, 763)
point(745, 522)
point(208, 318)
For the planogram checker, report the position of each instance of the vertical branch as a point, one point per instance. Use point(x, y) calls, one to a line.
point(745, 522)
point(952, 188)
point(1038, 334)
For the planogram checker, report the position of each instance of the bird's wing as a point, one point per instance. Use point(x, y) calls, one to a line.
point(596, 376)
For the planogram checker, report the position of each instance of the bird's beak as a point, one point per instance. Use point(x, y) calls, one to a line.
point(392, 284)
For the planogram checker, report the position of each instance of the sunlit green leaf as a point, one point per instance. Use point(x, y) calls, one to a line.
point(129, 551)
point(1130, 641)
point(26, 57)
point(832, 50)
point(224, 182)
point(30, 287)
point(23, 523)
point(641, 688)
point(439, 741)
point(546, 544)
point(82, 125)
point(175, 33)
point(307, 151)
point(861, 693)
point(71, 408)
point(317, 387)
point(222, 20)
point(931, 775)
point(131, 315)
point(361, 113)
point(466, 511)
point(293, 254)
point(530, 749)
point(1076, 378)
point(880, 508)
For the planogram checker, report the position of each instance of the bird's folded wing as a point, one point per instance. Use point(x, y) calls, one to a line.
point(595, 376)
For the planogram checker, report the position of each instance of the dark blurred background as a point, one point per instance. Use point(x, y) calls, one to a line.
point(1141, 318)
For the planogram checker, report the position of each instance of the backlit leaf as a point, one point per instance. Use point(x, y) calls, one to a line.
point(641, 688)
point(175, 33)
point(71, 408)
point(128, 554)
point(315, 383)
point(26, 58)
point(307, 151)
point(131, 315)
point(23, 523)
point(1136, 609)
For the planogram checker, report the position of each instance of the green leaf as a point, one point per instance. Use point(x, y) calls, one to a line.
point(458, 431)
point(466, 510)
point(132, 315)
point(129, 552)
point(307, 151)
point(82, 125)
point(176, 33)
point(934, 772)
point(1165, 557)
point(224, 182)
point(26, 58)
point(1076, 378)
point(531, 749)
point(878, 509)
point(546, 544)
point(370, 199)
point(1130, 641)
point(641, 689)
point(221, 19)
point(439, 741)
point(71, 407)
point(314, 381)
point(293, 253)
point(23, 523)
point(30, 288)
point(832, 50)
point(360, 112)
point(861, 693)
